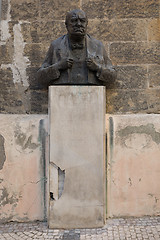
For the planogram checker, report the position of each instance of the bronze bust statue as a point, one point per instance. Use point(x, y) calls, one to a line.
point(76, 58)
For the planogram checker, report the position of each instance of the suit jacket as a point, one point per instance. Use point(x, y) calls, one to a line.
point(49, 74)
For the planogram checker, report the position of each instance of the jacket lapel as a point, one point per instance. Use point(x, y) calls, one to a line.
point(91, 52)
point(64, 47)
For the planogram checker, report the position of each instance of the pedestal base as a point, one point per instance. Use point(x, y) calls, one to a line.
point(77, 157)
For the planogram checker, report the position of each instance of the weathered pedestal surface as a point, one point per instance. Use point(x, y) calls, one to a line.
point(77, 156)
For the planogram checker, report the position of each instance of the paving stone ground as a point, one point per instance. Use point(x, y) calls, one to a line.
point(121, 228)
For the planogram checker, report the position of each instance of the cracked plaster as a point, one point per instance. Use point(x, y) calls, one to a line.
point(22, 176)
point(133, 166)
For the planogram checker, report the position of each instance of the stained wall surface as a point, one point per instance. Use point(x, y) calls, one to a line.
point(130, 31)
point(22, 167)
point(133, 166)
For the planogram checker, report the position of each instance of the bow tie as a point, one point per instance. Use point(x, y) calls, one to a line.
point(77, 45)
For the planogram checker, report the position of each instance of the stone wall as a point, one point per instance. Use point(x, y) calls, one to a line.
point(129, 29)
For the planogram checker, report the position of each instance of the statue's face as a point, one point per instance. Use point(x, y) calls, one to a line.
point(77, 23)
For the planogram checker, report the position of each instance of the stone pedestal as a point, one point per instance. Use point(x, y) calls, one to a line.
point(77, 156)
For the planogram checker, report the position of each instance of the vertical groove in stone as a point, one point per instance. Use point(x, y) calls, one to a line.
point(42, 138)
point(0, 8)
point(61, 179)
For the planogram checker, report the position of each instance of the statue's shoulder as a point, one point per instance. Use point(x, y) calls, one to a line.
point(58, 41)
point(94, 41)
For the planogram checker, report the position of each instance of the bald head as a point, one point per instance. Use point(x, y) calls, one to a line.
point(75, 12)
point(76, 22)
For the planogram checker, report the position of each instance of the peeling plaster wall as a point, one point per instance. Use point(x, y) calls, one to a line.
point(133, 165)
point(22, 167)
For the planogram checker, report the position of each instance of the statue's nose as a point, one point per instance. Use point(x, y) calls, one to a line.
point(78, 22)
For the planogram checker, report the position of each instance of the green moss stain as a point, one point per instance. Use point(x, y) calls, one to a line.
point(5, 198)
point(42, 141)
point(29, 144)
point(24, 141)
point(2, 152)
point(148, 129)
point(111, 144)
point(111, 135)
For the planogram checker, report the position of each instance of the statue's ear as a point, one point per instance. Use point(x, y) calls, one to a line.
point(87, 21)
point(66, 25)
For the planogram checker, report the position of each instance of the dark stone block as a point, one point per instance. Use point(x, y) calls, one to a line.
point(99, 8)
point(10, 102)
point(154, 29)
point(26, 32)
point(127, 101)
point(137, 8)
point(121, 8)
point(6, 79)
point(130, 77)
point(11, 25)
point(42, 32)
point(13, 97)
point(32, 78)
point(39, 101)
point(35, 53)
point(135, 53)
point(24, 10)
point(48, 31)
point(118, 29)
point(154, 75)
point(133, 101)
point(153, 96)
point(4, 9)
point(6, 54)
point(53, 9)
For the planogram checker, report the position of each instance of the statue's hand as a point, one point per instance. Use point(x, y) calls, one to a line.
point(92, 65)
point(65, 63)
